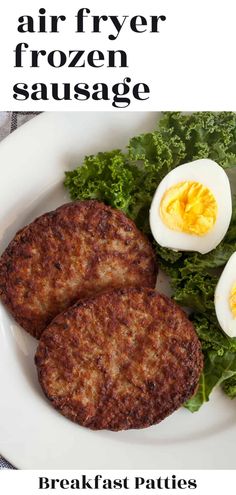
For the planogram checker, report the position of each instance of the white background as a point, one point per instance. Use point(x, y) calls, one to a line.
point(208, 482)
point(189, 65)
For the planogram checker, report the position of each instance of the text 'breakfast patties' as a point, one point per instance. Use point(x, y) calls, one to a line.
point(73, 252)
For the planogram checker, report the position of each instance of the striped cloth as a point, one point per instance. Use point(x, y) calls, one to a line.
point(9, 121)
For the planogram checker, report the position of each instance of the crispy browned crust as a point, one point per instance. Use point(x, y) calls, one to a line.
point(123, 359)
point(73, 252)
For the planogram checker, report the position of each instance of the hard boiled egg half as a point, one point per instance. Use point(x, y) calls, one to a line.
point(192, 207)
point(225, 298)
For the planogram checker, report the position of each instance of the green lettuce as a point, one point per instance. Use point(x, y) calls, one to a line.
point(128, 179)
point(218, 369)
point(211, 335)
point(229, 387)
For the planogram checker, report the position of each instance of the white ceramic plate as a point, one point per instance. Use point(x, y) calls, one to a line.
point(32, 434)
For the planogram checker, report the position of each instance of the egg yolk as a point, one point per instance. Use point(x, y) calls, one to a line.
point(232, 300)
point(189, 207)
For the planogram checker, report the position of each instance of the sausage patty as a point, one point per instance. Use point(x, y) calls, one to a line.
point(123, 359)
point(77, 250)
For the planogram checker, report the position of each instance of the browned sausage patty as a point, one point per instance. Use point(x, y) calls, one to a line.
point(70, 253)
point(123, 359)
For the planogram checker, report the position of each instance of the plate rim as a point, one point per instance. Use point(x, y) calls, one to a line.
point(7, 142)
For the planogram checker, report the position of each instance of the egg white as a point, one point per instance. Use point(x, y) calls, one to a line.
point(211, 175)
point(222, 297)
